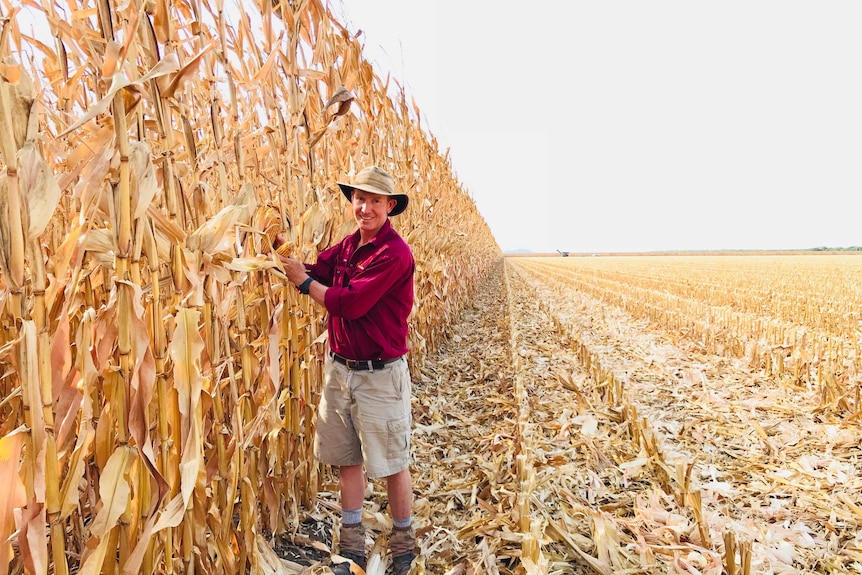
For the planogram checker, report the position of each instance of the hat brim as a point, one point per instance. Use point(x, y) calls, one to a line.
point(401, 200)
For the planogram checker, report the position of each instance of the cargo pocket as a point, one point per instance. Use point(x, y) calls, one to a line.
point(399, 438)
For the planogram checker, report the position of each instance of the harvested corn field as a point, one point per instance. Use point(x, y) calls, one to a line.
point(741, 401)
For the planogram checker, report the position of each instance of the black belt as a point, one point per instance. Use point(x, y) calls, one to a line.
point(363, 364)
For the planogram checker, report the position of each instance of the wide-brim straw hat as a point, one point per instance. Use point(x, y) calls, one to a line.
point(375, 180)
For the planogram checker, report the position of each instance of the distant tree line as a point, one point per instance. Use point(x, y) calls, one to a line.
point(850, 249)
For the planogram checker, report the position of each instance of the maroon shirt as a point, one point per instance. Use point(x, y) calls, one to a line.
point(370, 294)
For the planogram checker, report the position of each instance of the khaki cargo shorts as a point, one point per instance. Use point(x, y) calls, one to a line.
point(364, 417)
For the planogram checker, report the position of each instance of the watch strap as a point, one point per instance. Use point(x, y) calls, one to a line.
point(304, 286)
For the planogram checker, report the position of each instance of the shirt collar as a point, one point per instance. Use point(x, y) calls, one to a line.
point(379, 236)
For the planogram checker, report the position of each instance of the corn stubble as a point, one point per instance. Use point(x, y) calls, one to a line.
point(159, 375)
point(795, 317)
point(733, 465)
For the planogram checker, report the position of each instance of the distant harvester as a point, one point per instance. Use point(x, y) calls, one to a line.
point(564, 254)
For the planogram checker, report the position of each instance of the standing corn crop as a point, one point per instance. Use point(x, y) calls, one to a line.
point(159, 376)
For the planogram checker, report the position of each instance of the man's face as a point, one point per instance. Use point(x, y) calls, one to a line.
point(371, 210)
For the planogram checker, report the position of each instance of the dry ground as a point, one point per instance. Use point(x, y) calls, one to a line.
point(661, 468)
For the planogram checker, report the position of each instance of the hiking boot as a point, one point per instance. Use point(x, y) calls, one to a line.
point(401, 564)
point(402, 545)
point(351, 546)
point(348, 567)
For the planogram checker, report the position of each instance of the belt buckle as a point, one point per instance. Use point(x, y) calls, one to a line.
point(351, 363)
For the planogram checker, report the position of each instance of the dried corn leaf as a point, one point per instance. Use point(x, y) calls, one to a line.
point(38, 187)
point(214, 236)
point(186, 347)
point(114, 491)
point(119, 81)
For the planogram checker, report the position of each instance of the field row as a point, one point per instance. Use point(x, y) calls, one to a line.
point(793, 319)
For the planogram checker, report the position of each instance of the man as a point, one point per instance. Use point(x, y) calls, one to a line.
point(366, 284)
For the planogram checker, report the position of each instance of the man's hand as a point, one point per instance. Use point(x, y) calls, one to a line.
point(294, 270)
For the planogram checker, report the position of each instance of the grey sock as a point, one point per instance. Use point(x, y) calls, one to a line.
point(351, 516)
point(402, 523)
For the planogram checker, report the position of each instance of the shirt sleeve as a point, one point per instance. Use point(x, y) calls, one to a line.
point(368, 285)
point(323, 270)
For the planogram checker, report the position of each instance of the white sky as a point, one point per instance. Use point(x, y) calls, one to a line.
point(627, 125)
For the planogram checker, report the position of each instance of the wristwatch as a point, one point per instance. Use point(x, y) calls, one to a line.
point(303, 287)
